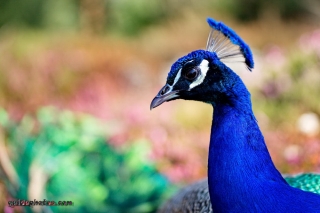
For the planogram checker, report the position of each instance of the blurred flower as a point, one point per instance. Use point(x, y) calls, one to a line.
point(292, 154)
point(275, 57)
point(311, 41)
point(270, 89)
point(274, 88)
point(158, 135)
point(176, 174)
point(118, 139)
point(312, 149)
point(135, 114)
point(309, 124)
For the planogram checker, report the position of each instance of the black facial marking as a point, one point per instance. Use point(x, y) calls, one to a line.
point(164, 90)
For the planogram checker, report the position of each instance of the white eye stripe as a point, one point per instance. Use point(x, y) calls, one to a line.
point(176, 79)
point(204, 67)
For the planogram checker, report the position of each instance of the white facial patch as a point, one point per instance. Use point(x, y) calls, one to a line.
point(204, 69)
point(176, 79)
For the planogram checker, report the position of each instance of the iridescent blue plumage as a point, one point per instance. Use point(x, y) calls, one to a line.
point(241, 174)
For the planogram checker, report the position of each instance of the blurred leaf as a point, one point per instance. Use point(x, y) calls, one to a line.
point(81, 166)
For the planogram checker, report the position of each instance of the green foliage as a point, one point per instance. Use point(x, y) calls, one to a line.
point(23, 12)
point(124, 16)
point(72, 156)
point(132, 16)
point(291, 8)
point(39, 13)
point(61, 14)
point(244, 10)
point(247, 10)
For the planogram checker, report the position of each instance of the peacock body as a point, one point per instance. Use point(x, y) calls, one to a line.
point(195, 197)
point(241, 174)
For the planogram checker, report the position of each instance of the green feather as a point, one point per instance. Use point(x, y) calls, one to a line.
point(307, 182)
point(195, 197)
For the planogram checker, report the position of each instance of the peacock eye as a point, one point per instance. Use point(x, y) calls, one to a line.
point(193, 73)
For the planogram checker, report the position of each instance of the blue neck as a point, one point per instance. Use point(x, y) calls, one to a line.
point(239, 162)
point(241, 174)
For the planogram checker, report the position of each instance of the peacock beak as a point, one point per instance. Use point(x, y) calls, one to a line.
point(165, 94)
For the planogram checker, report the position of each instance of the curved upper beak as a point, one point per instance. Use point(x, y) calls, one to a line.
point(165, 94)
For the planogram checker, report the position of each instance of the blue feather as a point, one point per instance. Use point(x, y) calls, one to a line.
point(235, 39)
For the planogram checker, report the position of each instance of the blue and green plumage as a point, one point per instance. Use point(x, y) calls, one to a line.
point(308, 182)
point(195, 197)
point(241, 174)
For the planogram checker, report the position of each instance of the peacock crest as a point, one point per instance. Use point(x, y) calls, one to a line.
point(227, 45)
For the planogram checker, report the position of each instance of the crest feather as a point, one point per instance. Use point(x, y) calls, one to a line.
point(228, 46)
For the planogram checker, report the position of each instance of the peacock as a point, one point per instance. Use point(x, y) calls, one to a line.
point(241, 174)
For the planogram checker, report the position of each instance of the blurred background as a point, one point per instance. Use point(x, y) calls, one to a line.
point(77, 78)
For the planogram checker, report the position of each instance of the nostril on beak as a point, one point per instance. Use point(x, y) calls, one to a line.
point(165, 89)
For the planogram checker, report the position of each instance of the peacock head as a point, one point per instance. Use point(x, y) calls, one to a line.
point(202, 74)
